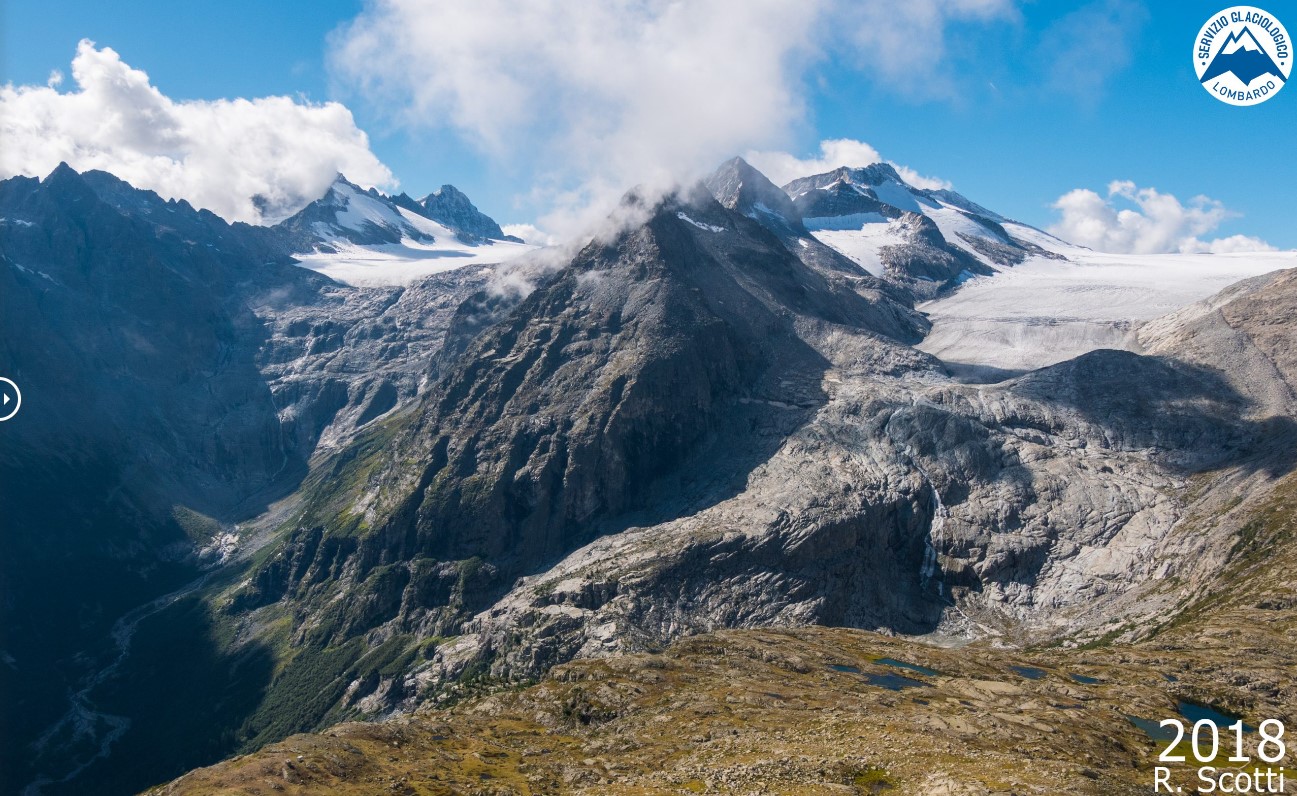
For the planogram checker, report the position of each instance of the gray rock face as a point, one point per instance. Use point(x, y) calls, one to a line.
point(926, 263)
point(1046, 504)
point(449, 206)
point(693, 430)
point(337, 358)
point(178, 375)
point(1244, 333)
point(743, 189)
point(568, 413)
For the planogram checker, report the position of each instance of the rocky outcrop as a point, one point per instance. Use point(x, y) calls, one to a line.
point(743, 189)
point(449, 206)
point(925, 262)
point(1047, 504)
point(338, 358)
point(178, 373)
point(608, 391)
point(695, 429)
point(1244, 335)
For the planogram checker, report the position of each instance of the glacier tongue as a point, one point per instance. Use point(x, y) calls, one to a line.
point(1045, 311)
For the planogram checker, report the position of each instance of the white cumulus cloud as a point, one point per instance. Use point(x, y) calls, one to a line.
point(1134, 220)
point(782, 167)
point(246, 160)
point(587, 99)
point(529, 233)
point(602, 95)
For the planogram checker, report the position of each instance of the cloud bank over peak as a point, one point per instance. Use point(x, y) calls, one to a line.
point(255, 160)
point(589, 98)
point(782, 168)
point(585, 100)
point(1134, 220)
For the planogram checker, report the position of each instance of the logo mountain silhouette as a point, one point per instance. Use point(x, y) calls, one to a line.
point(1247, 63)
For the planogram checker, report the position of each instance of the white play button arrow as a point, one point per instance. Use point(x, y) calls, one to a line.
point(12, 395)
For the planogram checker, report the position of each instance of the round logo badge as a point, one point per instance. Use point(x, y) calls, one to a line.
point(1243, 55)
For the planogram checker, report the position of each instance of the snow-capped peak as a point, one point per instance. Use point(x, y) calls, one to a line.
point(1243, 40)
point(362, 236)
point(366, 213)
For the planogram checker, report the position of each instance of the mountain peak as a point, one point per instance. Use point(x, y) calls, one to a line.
point(62, 172)
point(449, 192)
point(451, 207)
point(68, 184)
point(871, 175)
point(741, 188)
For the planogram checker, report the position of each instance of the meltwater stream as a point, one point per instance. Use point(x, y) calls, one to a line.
point(82, 720)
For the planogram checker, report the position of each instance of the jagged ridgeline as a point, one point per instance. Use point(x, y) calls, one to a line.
point(179, 374)
point(628, 382)
point(252, 500)
point(710, 418)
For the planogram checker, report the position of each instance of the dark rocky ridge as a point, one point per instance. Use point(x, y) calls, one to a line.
point(145, 427)
point(178, 373)
point(448, 205)
point(112, 298)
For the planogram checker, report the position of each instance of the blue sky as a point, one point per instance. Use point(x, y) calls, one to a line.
point(1023, 105)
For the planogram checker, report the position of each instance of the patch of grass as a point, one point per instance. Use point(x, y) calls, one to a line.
point(871, 779)
point(1261, 542)
point(1107, 638)
point(335, 487)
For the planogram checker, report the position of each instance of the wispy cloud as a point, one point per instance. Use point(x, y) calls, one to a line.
point(599, 95)
point(1134, 220)
point(1087, 48)
point(782, 167)
point(586, 99)
point(530, 233)
point(906, 43)
point(247, 160)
